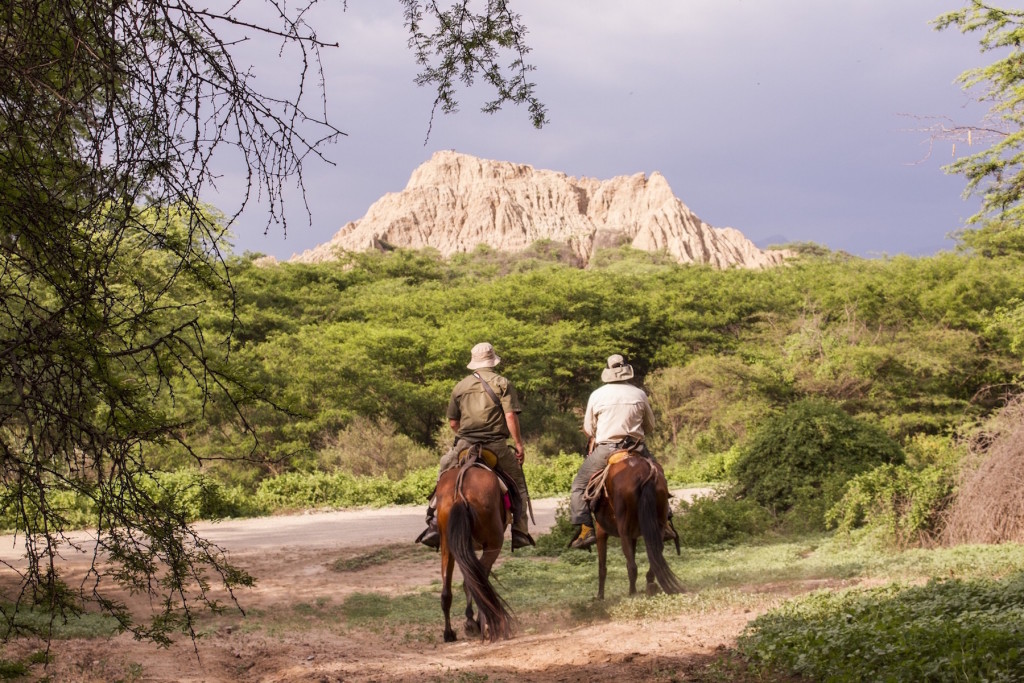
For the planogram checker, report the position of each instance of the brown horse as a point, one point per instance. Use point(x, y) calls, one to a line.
point(634, 504)
point(471, 515)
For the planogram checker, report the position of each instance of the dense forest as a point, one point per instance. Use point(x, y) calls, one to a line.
point(348, 365)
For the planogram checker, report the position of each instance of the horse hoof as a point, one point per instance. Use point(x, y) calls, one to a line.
point(449, 637)
point(472, 628)
point(653, 589)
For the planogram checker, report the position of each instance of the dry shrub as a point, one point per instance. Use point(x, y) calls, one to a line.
point(989, 507)
point(369, 447)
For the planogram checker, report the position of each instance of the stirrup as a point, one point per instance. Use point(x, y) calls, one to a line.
point(521, 539)
point(430, 537)
point(584, 539)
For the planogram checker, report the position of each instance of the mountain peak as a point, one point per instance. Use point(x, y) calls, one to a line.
point(454, 202)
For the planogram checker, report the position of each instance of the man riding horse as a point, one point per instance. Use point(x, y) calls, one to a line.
point(484, 409)
point(618, 417)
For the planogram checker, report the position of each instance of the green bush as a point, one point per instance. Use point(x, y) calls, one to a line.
point(553, 476)
point(300, 490)
point(74, 509)
point(904, 503)
point(710, 468)
point(199, 496)
point(720, 519)
point(805, 454)
point(947, 630)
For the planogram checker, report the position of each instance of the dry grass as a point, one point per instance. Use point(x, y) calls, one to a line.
point(989, 507)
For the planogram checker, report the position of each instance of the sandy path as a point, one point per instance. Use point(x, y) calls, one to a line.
point(292, 558)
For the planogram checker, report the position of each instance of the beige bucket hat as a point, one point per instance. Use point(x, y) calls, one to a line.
point(618, 370)
point(483, 356)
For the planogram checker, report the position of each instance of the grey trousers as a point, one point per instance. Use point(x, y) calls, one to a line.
point(579, 512)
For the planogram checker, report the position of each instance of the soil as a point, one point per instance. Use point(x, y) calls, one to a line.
point(290, 634)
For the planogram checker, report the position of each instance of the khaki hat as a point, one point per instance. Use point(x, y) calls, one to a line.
point(618, 370)
point(483, 356)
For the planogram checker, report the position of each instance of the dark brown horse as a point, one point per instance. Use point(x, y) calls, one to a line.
point(472, 516)
point(634, 504)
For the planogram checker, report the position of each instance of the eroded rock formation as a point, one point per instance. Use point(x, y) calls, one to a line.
point(454, 202)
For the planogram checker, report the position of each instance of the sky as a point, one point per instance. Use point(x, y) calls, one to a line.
point(789, 120)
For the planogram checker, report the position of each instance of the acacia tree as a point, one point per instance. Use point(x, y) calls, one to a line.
point(996, 173)
point(111, 113)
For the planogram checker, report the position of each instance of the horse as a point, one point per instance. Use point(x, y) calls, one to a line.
point(634, 504)
point(472, 515)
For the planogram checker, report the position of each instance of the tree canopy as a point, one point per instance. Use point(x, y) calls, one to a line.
point(111, 114)
point(995, 174)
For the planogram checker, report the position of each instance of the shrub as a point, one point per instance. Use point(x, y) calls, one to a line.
point(714, 467)
point(74, 509)
point(298, 490)
point(905, 504)
point(721, 519)
point(374, 448)
point(947, 630)
point(989, 506)
point(199, 496)
point(805, 454)
point(551, 476)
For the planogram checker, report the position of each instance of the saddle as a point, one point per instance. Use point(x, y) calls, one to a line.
point(483, 456)
point(596, 485)
point(478, 456)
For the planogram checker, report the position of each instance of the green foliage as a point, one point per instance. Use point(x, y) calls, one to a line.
point(380, 340)
point(551, 476)
point(905, 504)
point(948, 630)
point(996, 173)
point(368, 448)
point(194, 495)
point(805, 453)
point(710, 468)
point(719, 519)
point(708, 405)
point(301, 490)
point(555, 543)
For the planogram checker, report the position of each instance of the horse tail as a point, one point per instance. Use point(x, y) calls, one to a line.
point(492, 607)
point(650, 528)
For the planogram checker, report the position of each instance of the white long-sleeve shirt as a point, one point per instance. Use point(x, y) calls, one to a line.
point(617, 410)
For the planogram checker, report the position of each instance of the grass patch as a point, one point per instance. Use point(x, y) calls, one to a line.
point(375, 558)
point(378, 609)
point(85, 625)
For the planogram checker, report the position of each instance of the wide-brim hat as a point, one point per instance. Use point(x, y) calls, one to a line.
point(618, 370)
point(483, 356)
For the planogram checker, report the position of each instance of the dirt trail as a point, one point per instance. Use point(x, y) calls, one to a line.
point(275, 643)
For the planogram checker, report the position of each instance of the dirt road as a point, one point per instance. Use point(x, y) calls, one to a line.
point(337, 529)
point(293, 630)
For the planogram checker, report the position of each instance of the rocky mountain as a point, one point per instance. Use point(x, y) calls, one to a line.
point(454, 202)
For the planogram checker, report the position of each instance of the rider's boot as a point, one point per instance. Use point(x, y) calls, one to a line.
point(585, 538)
point(520, 537)
point(430, 537)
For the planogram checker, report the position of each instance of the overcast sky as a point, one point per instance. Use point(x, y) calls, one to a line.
point(793, 120)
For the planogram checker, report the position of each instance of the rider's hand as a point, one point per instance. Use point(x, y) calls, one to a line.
point(520, 453)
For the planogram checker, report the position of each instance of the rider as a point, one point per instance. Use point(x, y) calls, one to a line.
point(489, 418)
point(618, 416)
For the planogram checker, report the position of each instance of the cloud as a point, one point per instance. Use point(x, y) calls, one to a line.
point(784, 117)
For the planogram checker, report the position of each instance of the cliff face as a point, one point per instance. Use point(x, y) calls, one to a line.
point(454, 202)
